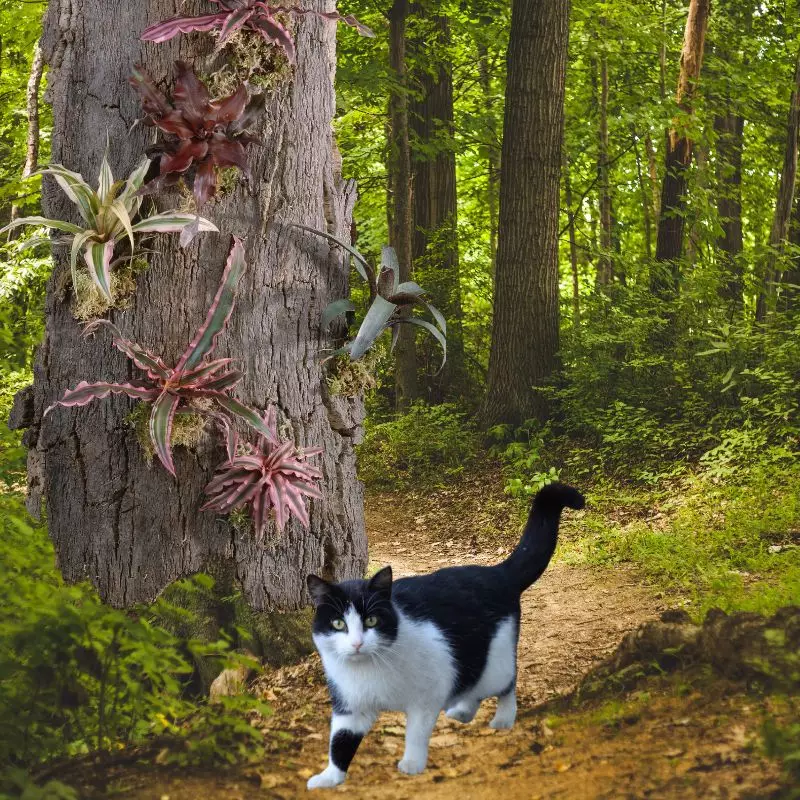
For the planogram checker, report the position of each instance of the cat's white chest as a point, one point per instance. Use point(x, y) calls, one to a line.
point(416, 671)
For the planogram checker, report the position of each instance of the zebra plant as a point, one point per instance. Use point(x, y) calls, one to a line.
point(270, 474)
point(108, 216)
point(389, 303)
point(195, 385)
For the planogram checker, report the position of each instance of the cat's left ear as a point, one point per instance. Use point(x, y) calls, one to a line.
point(318, 589)
point(381, 581)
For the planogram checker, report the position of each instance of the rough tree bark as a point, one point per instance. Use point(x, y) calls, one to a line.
point(783, 203)
point(400, 208)
point(665, 273)
point(525, 326)
point(434, 247)
point(116, 519)
point(32, 113)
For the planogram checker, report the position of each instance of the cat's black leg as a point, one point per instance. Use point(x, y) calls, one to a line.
point(506, 713)
point(419, 727)
point(347, 731)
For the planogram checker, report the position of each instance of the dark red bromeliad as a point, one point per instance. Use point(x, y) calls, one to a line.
point(202, 134)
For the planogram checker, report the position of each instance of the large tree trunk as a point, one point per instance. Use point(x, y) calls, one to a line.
point(400, 209)
point(525, 326)
point(434, 247)
point(783, 205)
point(116, 519)
point(729, 128)
point(665, 275)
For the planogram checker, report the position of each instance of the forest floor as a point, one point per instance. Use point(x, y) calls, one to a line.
point(684, 736)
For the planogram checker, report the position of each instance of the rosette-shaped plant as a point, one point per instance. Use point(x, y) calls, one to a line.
point(195, 384)
point(108, 215)
point(388, 299)
point(271, 474)
point(250, 14)
point(202, 134)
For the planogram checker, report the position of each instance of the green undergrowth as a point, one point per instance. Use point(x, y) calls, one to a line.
point(79, 679)
point(704, 544)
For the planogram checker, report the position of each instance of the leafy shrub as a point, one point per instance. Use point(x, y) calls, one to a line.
point(79, 676)
point(429, 443)
point(524, 457)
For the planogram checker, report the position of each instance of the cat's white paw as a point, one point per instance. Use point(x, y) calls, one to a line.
point(501, 722)
point(462, 713)
point(327, 779)
point(412, 766)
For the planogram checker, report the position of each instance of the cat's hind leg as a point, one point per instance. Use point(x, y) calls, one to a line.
point(506, 713)
point(347, 731)
point(419, 727)
point(464, 710)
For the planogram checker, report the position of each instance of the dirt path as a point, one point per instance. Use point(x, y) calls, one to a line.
point(682, 745)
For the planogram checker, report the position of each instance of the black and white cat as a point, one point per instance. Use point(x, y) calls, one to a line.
point(444, 641)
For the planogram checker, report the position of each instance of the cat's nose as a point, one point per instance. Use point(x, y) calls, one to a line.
point(357, 646)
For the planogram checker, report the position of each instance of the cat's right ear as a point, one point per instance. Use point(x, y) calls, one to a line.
point(318, 589)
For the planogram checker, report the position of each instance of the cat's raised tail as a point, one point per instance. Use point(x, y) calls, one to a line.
point(532, 555)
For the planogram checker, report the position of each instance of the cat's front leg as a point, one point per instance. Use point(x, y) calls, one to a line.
point(419, 727)
point(347, 731)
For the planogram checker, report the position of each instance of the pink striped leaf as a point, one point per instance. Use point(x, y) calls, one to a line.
point(206, 337)
point(164, 31)
point(144, 359)
point(85, 392)
point(161, 418)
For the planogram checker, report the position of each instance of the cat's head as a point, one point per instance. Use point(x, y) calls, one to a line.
point(354, 620)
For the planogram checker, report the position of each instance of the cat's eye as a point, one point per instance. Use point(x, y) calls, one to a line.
point(370, 622)
point(338, 624)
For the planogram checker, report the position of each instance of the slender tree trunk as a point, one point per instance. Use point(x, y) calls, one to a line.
point(32, 113)
point(791, 277)
point(525, 327)
point(729, 128)
point(492, 153)
point(573, 247)
point(605, 268)
point(783, 205)
point(665, 274)
point(399, 169)
point(435, 215)
point(646, 197)
point(652, 171)
point(115, 518)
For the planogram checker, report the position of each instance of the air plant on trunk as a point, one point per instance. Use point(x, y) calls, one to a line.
point(270, 474)
point(253, 15)
point(390, 303)
point(202, 134)
point(108, 215)
point(196, 384)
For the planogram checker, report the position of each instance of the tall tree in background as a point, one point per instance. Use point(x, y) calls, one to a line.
point(400, 209)
point(665, 273)
point(123, 523)
point(525, 328)
point(605, 267)
point(433, 166)
point(783, 205)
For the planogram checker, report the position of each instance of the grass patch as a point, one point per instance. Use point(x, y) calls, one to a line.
point(730, 546)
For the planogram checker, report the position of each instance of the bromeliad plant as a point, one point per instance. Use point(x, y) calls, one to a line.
point(203, 134)
point(252, 15)
point(108, 215)
point(196, 384)
point(390, 302)
point(270, 474)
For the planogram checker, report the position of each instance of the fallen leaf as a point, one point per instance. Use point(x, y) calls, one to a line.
point(305, 774)
point(673, 753)
point(563, 766)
